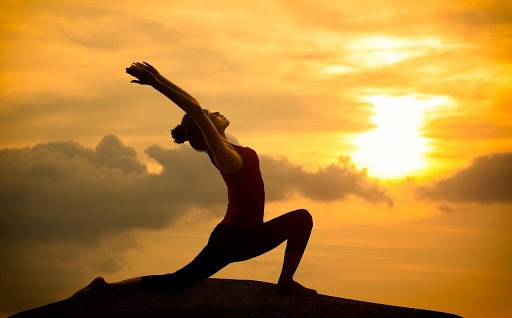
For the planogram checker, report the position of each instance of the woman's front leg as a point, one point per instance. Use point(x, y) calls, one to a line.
point(294, 227)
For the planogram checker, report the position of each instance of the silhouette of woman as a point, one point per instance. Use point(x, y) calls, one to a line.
point(242, 234)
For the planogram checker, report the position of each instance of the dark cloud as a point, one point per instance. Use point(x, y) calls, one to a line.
point(62, 190)
point(488, 179)
point(111, 153)
point(334, 182)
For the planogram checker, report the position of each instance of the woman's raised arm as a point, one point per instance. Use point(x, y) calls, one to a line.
point(145, 77)
point(162, 79)
point(227, 158)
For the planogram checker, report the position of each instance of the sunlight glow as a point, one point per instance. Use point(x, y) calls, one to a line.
point(396, 147)
point(338, 69)
point(378, 51)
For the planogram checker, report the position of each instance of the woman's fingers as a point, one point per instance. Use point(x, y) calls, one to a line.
point(141, 72)
point(132, 71)
point(150, 67)
point(137, 65)
point(145, 66)
point(135, 69)
point(141, 67)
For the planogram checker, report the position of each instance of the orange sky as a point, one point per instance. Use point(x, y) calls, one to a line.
point(396, 115)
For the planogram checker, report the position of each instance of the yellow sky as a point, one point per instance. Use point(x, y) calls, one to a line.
point(374, 101)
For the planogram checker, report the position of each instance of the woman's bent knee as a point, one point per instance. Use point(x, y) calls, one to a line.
point(305, 217)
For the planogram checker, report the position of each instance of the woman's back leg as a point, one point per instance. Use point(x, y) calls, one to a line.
point(208, 262)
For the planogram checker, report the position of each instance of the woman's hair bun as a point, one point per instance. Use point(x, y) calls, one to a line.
point(179, 134)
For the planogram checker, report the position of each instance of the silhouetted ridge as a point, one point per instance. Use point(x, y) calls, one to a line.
point(224, 298)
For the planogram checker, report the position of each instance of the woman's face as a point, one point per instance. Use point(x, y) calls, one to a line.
point(218, 120)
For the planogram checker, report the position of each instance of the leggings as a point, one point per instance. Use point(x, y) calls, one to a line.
point(230, 243)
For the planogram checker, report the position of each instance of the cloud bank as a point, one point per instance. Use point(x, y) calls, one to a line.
point(334, 182)
point(62, 190)
point(487, 180)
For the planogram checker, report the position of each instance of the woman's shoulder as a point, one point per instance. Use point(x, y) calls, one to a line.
point(235, 145)
point(231, 145)
point(240, 150)
point(239, 146)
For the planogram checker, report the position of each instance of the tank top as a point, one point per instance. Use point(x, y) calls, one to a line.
point(246, 192)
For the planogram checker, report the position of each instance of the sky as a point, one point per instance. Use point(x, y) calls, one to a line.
point(390, 121)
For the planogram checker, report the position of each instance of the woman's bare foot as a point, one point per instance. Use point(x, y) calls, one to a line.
point(292, 288)
point(96, 288)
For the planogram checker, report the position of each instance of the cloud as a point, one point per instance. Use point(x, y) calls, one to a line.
point(62, 190)
point(334, 182)
point(488, 179)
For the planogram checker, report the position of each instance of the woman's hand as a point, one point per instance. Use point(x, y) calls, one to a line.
point(143, 75)
point(148, 67)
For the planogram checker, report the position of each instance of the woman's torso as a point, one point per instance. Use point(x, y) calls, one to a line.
point(246, 193)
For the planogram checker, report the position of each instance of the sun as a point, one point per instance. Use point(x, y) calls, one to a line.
point(396, 147)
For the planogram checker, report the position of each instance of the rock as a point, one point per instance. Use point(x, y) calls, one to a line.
point(223, 298)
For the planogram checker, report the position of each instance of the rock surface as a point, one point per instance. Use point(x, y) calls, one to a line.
point(224, 298)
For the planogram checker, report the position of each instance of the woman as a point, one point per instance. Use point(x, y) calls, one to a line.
point(241, 235)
